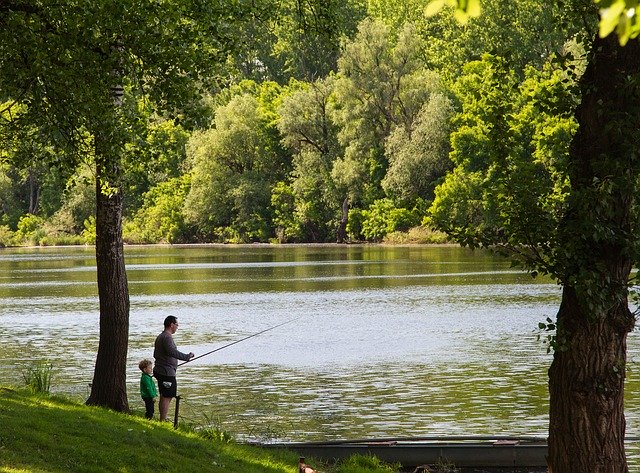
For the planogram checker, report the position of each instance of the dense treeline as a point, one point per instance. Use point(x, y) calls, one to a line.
point(335, 121)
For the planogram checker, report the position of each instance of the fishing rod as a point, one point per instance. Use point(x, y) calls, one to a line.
point(238, 341)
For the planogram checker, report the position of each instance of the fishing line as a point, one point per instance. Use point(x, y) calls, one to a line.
point(238, 341)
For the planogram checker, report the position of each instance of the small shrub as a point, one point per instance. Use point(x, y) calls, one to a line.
point(6, 236)
point(354, 224)
point(38, 377)
point(420, 235)
point(383, 217)
point(30, 230)
point(217, 435)
point(212, 430)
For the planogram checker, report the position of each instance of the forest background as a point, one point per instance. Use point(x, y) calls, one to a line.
point(329, 121)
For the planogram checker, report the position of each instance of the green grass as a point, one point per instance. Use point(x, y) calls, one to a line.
point(41, 433)
point(38, 377)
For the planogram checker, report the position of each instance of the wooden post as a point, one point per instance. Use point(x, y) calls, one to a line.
point(175, 417)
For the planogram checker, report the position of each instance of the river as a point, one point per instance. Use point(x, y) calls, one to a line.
point(380, 340)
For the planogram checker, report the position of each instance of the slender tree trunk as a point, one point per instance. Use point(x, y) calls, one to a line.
point(109, 387)
point(34, 194)
point(109, 381)
point(342, 228)
point(586, 378)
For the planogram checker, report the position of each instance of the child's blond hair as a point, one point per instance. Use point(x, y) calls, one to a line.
point(144, 363)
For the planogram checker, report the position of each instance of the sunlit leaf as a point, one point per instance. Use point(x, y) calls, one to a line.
point(434, 7)
point(624, 29)
point(610, 17)
point(473, 8)
point(461, 17)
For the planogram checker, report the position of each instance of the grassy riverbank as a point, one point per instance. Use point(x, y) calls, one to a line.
point(42, 433)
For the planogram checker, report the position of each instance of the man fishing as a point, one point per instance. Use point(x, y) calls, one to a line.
point(167, 355)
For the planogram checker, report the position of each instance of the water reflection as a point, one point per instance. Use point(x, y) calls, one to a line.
point(385, 341)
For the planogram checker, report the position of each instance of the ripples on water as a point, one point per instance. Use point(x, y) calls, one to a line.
point(382, 342)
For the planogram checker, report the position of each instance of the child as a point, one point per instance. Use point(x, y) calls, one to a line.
point(147, 387)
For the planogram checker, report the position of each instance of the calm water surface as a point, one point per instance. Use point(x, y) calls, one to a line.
point(382, 341)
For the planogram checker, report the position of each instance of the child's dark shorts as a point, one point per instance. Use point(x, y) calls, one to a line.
point(167, 385)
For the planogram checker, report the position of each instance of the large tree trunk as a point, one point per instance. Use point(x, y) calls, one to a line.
point(586, 378)
point(109, 382)
point(586, 385)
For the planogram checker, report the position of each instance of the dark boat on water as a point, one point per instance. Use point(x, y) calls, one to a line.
point(463, 452)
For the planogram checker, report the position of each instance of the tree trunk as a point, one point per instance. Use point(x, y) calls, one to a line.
point(109, 381)
point(34, 193)
point(109, 387)
point(586, 387)
point(342, 228)
point(586, 378)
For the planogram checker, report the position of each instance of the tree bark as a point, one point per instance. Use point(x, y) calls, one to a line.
point(34, 193)
point(586, 377)
point(109, 381)
point(586, 387)
point(109, 387)
point(342, 227)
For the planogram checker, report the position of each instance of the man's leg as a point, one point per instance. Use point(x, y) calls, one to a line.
point(163, 407)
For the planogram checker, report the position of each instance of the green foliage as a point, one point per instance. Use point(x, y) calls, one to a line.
point(86, 89)
point(30, 229)
point(6, 236)
point(309, 131)
point(420, 235)
point(160, 219)
point(620, 16)
point(309, 34)
point(463, 9)
point(78, 203)
point(458, 207)
point(10, 204)
point(556, 340)
point(283, 202)
point(154, 158)
point(504, 29)
point(379, 128)
point(419, 155)
point(89, 232)
point(234, 166)
point(212, 430)
point(354, 224)
point(38, 377)
point(382, 86)
point(218, 436)
point(382, 218)
point(396, 13)
point(280, 39)
point(509, 188)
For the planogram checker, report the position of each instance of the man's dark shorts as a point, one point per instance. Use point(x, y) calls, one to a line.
point(166, 385)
